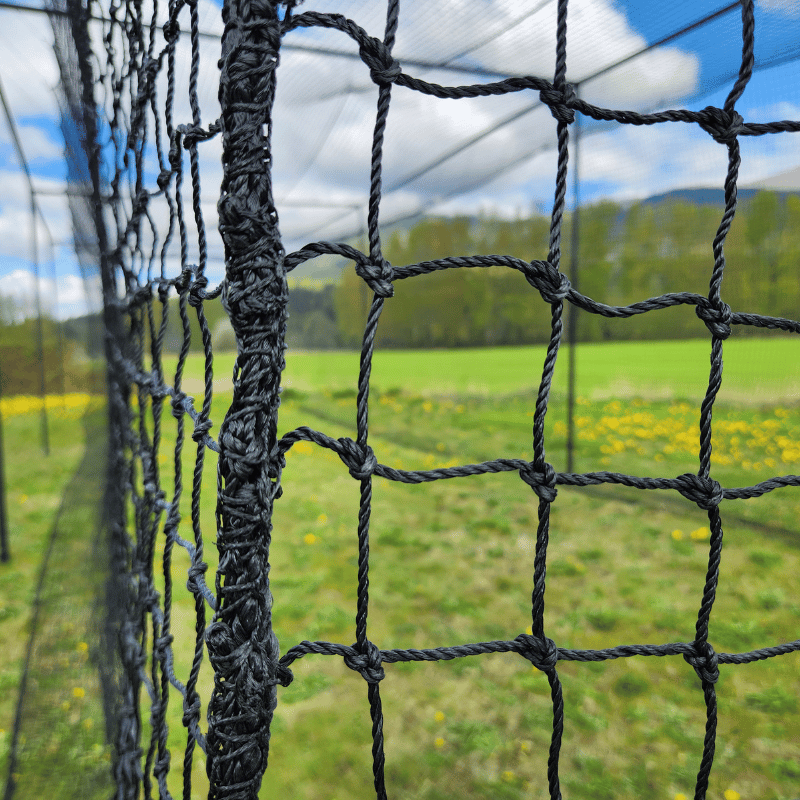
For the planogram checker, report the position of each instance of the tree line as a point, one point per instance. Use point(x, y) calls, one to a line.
point(625, 255)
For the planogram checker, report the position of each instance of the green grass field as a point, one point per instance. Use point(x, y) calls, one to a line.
point(50, 583)
point(764, 370)
point(452, 562)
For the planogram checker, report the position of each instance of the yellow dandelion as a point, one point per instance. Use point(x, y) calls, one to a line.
point(677, 535)
point(83, 647)
point(525, 747)
point(731, 794)
point(309, 538)
point(88, 724)
point(438, 743)
point(440, 446)
point(700, 533)
point(680, 796)
point(23, 498)
point(508, 776)
point(322, 519)
point(427, 406)
point(439, 716)
point(65, 706)
point(459, 409)
point(79, 692)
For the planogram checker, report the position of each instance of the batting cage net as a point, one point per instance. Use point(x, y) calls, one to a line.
point(140, 76)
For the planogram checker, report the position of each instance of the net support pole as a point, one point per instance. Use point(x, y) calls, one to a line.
point(242, 646)
point(5, 552)
point(12, 127)
point(574, 269)
point(39, 327)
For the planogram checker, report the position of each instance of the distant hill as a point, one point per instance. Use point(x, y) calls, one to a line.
point(709, 197)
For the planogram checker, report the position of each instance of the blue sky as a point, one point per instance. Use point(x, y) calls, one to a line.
point(325, 108)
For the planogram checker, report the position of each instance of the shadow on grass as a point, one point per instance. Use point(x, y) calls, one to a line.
point(58, 745)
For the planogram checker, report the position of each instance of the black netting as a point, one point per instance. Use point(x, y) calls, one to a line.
point(144, 131)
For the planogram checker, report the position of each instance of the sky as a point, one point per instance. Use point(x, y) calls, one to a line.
point(484, 155)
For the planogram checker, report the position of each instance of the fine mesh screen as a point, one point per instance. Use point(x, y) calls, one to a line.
point(145, 134)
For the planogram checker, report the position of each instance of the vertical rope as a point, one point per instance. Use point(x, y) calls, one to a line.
point(718, 318)
point(363, 645)
point(242, 646)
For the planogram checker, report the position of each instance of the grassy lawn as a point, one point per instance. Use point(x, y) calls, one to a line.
point(762, 370)
point(50, 585)
point(452, 561)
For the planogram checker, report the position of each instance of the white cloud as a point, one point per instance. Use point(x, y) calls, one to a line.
point(27, 64)
point(790, 8)
point(15, 214)
point(325, 111)
point(62, 298)
point(37, 144)
point(422, 130)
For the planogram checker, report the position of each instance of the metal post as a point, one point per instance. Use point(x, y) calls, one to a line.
point(39, 328)
point(572, 319)
point(12, 127)
point(59, 323)
point(5, 553)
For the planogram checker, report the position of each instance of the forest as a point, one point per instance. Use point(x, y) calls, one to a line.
point(626, 254)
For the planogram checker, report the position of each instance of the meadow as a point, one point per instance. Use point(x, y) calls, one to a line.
point(452, 562)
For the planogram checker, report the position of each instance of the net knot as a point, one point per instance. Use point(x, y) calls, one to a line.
point(164, 178)
point(705, 662)
point(151, 68)
point(174, 154)
point(377, 276)
point(543, 483)
point(539, 650)
point(359, 459)
point(177, 405)
point(383, 69)
point(156, 496)
point(140, 296)
point(560, 102)
point(201, 429)
point(553, 285)
point(163, 290)
point(198, 291)
point(724, 126)
point(172, 30)
point(369, 664)
point(192, 134)
point(183, 280)
point(706, 492)
point(191, 711)
point(161, 645)
point(283, 676)
point(195, 576)
point(717, 319)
